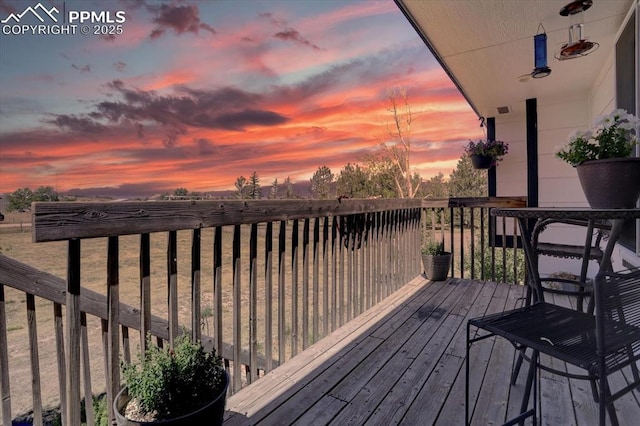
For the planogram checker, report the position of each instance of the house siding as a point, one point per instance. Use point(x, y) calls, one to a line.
point(558, 184)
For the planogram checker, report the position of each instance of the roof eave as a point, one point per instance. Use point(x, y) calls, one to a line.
point(435, 53)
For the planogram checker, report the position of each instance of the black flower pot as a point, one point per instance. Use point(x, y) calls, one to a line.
point(481, 161)
point(210, 414)
point(613, 183)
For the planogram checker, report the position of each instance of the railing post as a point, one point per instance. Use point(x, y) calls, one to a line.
point(73, 334)
point(268, 302)
point(113, 317)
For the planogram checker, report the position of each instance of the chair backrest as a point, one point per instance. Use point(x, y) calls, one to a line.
point(617, 297)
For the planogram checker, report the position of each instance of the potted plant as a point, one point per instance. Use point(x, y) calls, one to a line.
point(181, 386)
point(436, 261)
point(610, 178)
point(485, 153)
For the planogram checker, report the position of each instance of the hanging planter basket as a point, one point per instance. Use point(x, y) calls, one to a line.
point(613, 183)
point(481, 161)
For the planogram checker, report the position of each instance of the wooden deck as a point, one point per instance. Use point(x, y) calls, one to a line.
point(403, 363)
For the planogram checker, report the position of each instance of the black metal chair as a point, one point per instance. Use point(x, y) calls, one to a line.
point(601, 344)
point(580, 287)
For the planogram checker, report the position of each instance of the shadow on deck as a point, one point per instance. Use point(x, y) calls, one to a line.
point(402, 362)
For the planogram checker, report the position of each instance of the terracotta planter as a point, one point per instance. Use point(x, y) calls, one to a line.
point(210, 414)
point(481, 161)
point(436, 267)
point(612, 183)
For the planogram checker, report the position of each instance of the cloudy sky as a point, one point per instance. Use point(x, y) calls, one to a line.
point(196, 93)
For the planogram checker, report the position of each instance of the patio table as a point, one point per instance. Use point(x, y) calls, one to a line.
point(528, 217)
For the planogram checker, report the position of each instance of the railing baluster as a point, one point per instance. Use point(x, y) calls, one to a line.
point(294, 287)
point(341, 283)
point(514, 247)
point(350, 249)
point(35, 360)
point(325, 276)
point(364, 293)
point(305, 284)
point(86, 371)
point(196, 315)
point(104, 328)
point(268, 285)
point(473, 245)
point(237, 311)
point(172, 285)
point(461, 213)
point(253, 304)
point(62, 371)
point(366, 268)
point(334, 272)
point(316, 281)
point(504, 250)
point(378, 259)
point(482, 242)
point(126, 349)
point(217, 289)
point(281, 291)
point(145, 289)
point(5, 388)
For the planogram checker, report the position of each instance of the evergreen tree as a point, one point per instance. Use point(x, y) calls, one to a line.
point(273, 191)
point(288, 189)
point(465, 181)
point(354, 182)
point(321, 183)
point(255, 191)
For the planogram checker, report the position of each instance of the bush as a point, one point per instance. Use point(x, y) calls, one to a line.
point(501, 274)
point(169, 383)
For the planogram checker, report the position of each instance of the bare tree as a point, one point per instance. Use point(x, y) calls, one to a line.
point(398, 150)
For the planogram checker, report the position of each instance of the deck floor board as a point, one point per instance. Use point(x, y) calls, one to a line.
point(403, 362)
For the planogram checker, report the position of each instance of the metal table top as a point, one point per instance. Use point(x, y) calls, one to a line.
point(584, 213)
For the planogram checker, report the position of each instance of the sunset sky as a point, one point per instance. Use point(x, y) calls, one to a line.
point(196, 93)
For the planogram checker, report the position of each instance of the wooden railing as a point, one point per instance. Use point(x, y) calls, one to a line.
point(272, 277)
point(482, 246)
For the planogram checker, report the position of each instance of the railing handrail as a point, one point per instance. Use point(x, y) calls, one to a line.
point(56, 221)
point(474, 202)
